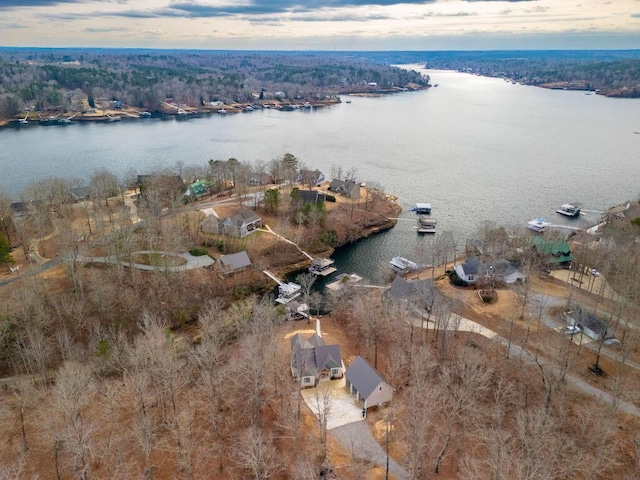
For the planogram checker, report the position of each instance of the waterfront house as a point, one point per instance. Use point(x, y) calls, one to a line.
point(418, 295)
point(313, 360)
point(348, 188)
point(470, 270)
point(79, 194)
point(553, 253)
point(197, 189)
point(310, 177)
point(507, 272)
point(234, 262)
point(241, 224)
point(367, 385)
point(258, 179)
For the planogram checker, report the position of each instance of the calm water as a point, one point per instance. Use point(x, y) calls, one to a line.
point(477, 149)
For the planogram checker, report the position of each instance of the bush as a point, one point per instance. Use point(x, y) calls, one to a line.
point(330, 198)
point(330, 238)
point(198, 251)
point(487, 298)
point(456, 280)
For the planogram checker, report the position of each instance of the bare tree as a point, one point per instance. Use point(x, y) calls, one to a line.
point(256, 454)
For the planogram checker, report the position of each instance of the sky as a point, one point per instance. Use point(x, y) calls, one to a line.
point(322, 24)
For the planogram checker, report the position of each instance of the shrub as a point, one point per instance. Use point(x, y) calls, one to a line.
point(486, 298)
point(456, 280)
point(330, 198)
point(330, 238)
point(198, 251)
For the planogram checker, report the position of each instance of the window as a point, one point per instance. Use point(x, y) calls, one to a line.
point(380, 388)
point(471, 278)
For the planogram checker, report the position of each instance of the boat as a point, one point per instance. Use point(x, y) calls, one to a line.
point(537, 225)
point(569, 210)
point(114, 118)
point(401, 265)
point(287, 292)
point(322, 266)
point(426, 225)
point(145, 114)
point(222, 111)
point(422, 208)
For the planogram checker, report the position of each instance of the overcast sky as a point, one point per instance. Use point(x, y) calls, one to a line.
point(322, 24)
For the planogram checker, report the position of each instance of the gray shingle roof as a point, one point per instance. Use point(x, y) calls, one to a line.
point(363, 377)
point(235, 261)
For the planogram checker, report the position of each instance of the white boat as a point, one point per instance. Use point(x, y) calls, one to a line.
point(537, 225)
point(401, 264)
point(322, 266)
point(426, 225)
point(422, 208)
point(287, 292)
point(222, 111)
point(569, 210)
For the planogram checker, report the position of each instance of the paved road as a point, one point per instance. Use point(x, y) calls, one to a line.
point(356, 438)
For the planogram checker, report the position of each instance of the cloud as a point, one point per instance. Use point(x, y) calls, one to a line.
point(258, 7)
point(105, 30)
point(9, 4)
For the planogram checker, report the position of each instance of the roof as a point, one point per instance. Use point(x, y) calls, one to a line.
point(557, 251)
point(311, 196)
point(328, 356)
point(80, 193)
point(473, 265)
point(311, 355)
point(243, 217)
point(590, 321)
point(235, 261)
point(363, 377)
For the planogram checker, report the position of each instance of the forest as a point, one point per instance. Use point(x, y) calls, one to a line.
point(63, 79)
point(110, 371)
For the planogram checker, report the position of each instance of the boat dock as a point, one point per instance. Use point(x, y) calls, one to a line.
point(426, 225)
point(322, 267)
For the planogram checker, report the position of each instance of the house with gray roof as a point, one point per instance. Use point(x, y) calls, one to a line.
point(310, 177)
point(313, 360)
point(507, 272)
point(471, 269)
point(80, 193)
point(420, 294)
point(365, 383)
point(348, 188)
point(592, 326)
point(234, 262)
point(241, 224)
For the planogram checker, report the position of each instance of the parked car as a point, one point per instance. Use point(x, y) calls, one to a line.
point(594, 272)
point(572, 330)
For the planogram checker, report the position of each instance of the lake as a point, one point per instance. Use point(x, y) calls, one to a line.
point(478, 149)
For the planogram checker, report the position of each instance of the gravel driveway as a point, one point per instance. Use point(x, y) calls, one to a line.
point(356, 438)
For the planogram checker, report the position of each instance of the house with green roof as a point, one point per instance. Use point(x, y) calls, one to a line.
point(556, 253)
point(198, 188)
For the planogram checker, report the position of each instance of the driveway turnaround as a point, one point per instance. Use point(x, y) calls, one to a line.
point(341, 405)
point(192, 261)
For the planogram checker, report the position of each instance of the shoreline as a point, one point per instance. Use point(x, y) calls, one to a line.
point(184, 112)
